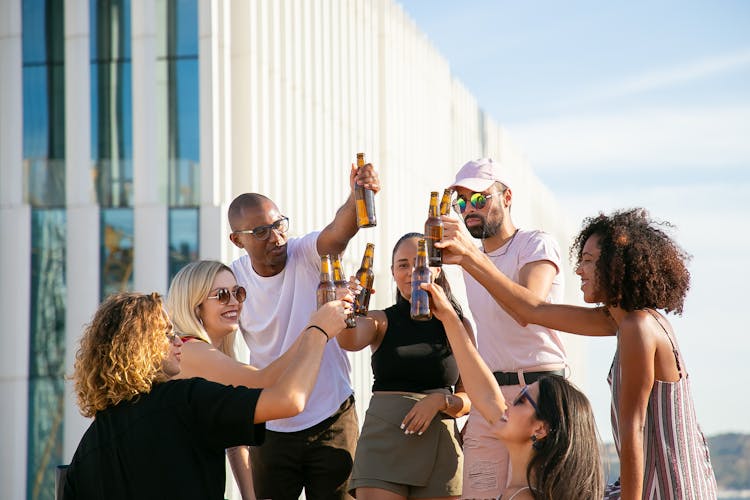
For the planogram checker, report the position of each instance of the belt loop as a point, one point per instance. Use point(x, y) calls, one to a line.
point(521, 380)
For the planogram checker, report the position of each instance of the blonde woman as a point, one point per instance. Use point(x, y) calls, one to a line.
point(205, 302)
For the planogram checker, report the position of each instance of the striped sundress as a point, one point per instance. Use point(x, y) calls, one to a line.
point(677, 465)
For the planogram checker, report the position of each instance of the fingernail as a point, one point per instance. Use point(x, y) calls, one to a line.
point(402, 426)
point(420, 433)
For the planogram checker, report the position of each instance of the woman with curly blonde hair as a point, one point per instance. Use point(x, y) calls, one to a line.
point(146, 420)
point(631, 267)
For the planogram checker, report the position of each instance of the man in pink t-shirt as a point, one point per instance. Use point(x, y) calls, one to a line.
point(518, 355)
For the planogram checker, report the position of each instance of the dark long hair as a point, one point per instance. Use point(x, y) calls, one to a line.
point(566, 464)
point(440, 280)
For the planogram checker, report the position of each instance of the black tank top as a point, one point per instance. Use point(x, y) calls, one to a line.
point(414, 356)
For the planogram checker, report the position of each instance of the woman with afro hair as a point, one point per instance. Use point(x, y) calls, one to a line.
point(633, 269)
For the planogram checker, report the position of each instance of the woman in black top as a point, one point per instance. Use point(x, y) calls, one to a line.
point(409, 444)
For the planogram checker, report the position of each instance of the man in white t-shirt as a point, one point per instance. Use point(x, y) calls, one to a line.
point(518, 355)
point(315, 449)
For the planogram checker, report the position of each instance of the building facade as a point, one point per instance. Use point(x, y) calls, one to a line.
point(127, 127)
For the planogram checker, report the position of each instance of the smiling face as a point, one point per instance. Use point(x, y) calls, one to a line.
point(586, 269)
point(268, 255)
point(404, 259)
point(219, 320)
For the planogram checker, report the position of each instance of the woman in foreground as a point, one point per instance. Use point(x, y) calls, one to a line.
point(548, 428)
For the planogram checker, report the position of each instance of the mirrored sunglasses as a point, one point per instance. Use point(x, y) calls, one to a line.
point(477, 200)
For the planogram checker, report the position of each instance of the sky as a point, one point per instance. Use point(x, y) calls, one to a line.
point(625, 104)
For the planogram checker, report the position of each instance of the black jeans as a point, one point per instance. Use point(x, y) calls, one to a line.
point(318, 459)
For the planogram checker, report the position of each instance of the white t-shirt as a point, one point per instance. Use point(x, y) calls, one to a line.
point(503, 343)
point(273, 316)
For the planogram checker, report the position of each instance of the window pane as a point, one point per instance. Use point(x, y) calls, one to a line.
point(116, 250)
point(183, 238)
point(46, 350)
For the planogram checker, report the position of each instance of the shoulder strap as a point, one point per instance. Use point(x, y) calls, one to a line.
point(675, 351)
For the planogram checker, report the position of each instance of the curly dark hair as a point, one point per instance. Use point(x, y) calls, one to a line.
point(640, 266)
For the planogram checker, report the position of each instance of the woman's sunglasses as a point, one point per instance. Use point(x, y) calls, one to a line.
point(524, 394)
point(224, 295)
point(477, 200)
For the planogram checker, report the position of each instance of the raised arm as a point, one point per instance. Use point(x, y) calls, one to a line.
point(289, 395)
point(335, 236)
point(476, 377)
point(525, 305)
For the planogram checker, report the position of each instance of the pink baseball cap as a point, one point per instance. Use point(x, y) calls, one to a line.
point(479, 175)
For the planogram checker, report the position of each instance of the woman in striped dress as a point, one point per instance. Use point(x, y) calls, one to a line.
point(633, 268)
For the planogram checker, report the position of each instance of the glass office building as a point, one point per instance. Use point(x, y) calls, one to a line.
point(128, 126)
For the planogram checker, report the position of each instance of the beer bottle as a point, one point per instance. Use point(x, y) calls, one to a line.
point(420, 299)
point(326, 288)
point(364, 200)
point(341, 283)
point(433, 232)
point(366, 279)
point(445, 202)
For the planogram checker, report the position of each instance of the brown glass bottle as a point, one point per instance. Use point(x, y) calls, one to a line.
point(366, 279)
point(326, 288)
point(340, 283)
point(445, 202)
point(364, 200)
point(420, 299)
point(433, 232)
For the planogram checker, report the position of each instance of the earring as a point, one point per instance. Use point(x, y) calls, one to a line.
point(536, 443)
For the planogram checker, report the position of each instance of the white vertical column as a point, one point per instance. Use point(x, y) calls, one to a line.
point(211, 232)
point(82, 241)
point(149, 178)
point(15, 260)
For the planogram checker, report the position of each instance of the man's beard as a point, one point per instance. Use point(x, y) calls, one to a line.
point(485, 229)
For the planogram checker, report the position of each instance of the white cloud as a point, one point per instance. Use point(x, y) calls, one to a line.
point(644, 138)
point(670, 77)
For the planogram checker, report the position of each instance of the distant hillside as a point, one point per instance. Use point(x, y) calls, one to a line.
point(730, 456)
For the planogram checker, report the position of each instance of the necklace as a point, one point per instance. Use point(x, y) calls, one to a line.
point(507, 246)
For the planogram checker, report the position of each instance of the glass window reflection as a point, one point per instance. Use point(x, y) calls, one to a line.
point(183, 238)
point(116, 250)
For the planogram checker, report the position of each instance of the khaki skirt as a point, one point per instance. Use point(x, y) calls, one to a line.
point(385, 453)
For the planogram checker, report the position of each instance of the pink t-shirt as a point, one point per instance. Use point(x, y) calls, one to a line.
point(502, 342)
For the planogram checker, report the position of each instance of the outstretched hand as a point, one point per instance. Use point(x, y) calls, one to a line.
point(365, 176)
point(456, 243)
point(331, 315)
point(439, 303)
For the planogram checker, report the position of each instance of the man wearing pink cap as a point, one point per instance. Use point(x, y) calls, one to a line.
point(518, 355)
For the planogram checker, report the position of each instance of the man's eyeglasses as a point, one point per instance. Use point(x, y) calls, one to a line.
point(477, 200)
point(224, 295)
point(263, 232)
point(524, 394)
